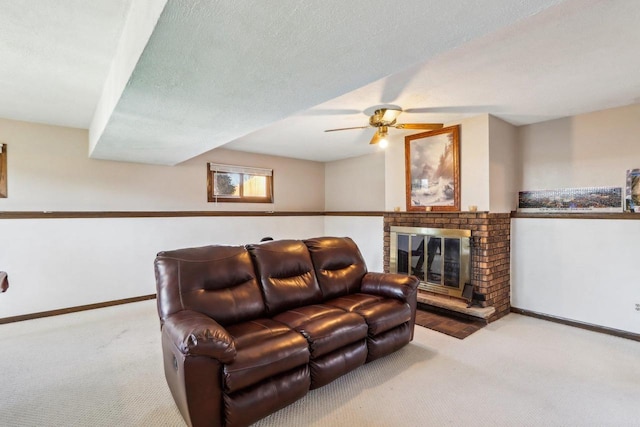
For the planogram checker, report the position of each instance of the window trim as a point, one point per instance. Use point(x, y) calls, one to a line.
point(213, 168)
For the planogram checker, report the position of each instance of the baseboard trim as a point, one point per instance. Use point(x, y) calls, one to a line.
point(75, 309)
point(588, 326)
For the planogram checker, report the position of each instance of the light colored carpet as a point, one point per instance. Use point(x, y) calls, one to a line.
point(103, 368)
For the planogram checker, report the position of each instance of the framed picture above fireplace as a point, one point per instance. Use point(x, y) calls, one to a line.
point(432, 168)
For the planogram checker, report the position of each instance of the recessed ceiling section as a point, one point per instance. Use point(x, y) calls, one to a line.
point(216, 71)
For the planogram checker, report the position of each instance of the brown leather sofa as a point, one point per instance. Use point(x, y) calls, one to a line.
point(247, 330)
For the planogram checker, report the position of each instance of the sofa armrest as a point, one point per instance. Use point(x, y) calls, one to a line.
point(196, 334)
point(390, 285)
point(4, 281)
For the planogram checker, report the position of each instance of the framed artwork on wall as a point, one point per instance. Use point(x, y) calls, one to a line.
point(632, 191)
point(432, 168)
point(3, 170)
point(571, 200)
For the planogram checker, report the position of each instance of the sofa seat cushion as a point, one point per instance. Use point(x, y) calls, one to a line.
point(353, 302)
point(380, 313)
point(265, 348)
point(325, 328)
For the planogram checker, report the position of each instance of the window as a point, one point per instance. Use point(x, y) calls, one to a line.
point(226, 183)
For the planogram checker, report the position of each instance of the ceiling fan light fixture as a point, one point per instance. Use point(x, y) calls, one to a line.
point(382, 137)
point(384, 118)
point(379, 135)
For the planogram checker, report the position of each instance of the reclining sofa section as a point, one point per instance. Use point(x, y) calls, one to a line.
point(247, 330)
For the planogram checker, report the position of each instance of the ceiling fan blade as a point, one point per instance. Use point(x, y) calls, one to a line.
point(428, 126)
point(330, 112)
point(357, 127)
point(375, 138)
point(460, 109)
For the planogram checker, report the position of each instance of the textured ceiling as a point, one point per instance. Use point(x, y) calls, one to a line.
point(55, 57)
point(214, 71)
point(269, 77)
point(577, 57)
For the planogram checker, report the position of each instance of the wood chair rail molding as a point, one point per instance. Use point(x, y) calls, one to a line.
point(171, 214)
point(179, 214)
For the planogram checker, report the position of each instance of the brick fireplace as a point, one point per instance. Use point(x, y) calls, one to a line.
point(490, 250)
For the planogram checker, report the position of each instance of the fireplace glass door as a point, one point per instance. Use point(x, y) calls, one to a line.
point(440, 258)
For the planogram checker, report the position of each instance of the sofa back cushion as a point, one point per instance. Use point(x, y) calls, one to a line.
point(338, 264)
point(218, 281)
point(286, 274)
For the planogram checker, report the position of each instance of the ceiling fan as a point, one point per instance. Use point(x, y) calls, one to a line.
point(385, 118)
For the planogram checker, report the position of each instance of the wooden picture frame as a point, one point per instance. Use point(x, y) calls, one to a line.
point(432, 168)
point(632, 191)
point(3, 170)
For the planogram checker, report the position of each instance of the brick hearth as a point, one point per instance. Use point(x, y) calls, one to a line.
point(490, 252)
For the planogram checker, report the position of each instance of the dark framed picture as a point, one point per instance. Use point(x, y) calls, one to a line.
point(3, 170)
point(432, 167)
point(632, 191)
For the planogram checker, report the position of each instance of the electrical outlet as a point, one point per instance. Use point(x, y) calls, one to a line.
point(637, 307)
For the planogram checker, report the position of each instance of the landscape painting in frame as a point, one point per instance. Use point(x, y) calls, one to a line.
point(571, 200)
point(432, 167)
point(632, 195)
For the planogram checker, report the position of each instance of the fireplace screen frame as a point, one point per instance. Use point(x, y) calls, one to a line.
point(425, 234)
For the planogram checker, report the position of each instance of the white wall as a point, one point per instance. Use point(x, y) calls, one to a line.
point(577, 269)
point(366, 231)
point(504, 178)
point(60, 263)
point(583, 270)
point(355, 184)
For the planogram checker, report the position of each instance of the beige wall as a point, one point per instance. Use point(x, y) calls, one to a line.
point(504, 178)
point(587, 150)
point(355, 184)
point(474, 163)
point(49, 170)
